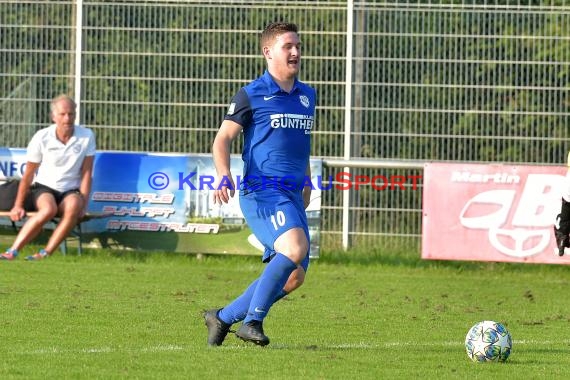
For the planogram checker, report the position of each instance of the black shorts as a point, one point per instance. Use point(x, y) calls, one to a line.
point(38, 189)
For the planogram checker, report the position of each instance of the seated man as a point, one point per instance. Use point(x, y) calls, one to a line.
point(62, 155)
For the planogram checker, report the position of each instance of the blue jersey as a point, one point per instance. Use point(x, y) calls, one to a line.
point(277, 131)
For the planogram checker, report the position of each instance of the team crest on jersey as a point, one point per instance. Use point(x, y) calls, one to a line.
point(304, 101)
point(76, 148)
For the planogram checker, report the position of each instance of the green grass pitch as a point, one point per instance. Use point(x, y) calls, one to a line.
point(108, 315)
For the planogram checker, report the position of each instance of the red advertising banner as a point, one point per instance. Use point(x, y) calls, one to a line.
point(491, 212)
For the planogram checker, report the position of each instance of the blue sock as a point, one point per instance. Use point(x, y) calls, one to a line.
point(279, 295)
point(237, 309)
point(269, 286)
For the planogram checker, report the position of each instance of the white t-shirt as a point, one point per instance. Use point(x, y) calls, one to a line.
point(60, 164)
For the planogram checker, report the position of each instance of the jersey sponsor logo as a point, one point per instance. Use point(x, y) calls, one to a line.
point(269, 97)
point(304, 101)
point(293, 121)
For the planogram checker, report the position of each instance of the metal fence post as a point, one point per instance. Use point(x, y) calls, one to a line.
point(347, 120)
point(78, 56)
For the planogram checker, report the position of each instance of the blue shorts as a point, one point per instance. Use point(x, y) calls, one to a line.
point(270, 213)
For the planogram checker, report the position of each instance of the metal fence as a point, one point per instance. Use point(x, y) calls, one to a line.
point(399, 83)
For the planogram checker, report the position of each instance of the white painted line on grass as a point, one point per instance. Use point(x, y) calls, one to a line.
point(342, 346)
point(101, 350)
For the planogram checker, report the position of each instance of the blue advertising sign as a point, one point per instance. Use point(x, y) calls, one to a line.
point(164, 202)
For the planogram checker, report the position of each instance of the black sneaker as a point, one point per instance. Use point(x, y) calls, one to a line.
point(562, 240)
point(253, 332)
point(217, 329)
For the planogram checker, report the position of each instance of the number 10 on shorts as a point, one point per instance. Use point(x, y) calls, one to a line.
point(278, 220)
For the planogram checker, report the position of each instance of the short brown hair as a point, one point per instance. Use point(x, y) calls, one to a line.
point(274, 30)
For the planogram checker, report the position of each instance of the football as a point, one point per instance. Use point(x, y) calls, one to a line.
point(488, 341)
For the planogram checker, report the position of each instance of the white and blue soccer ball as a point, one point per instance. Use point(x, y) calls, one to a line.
point(488, 341)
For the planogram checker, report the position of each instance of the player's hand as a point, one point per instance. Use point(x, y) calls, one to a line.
point(17, 213)
point(224, 189)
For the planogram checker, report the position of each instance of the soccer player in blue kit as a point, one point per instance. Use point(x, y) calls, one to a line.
point(275, 112)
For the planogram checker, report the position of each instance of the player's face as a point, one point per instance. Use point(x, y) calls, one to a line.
point(63, 114)
point(284, 57)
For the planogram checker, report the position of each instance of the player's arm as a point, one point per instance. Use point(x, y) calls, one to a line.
point(307, 189)
point(225, 186)
point(86, 181)
point(18, 211)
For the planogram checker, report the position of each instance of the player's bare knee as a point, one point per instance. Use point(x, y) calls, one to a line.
point(299, 251)
point(296, 251)
point(293, 244)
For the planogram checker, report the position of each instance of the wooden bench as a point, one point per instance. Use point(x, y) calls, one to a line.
point(76, 232)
